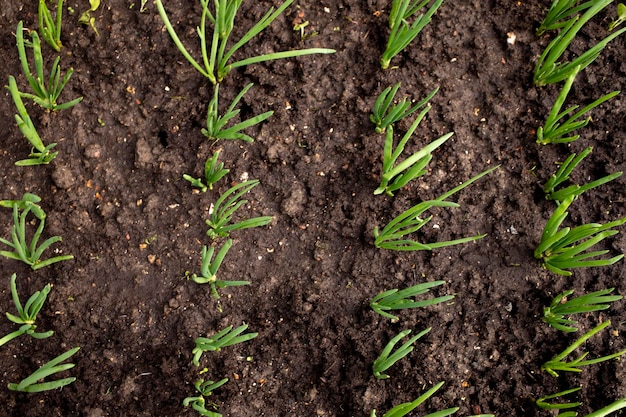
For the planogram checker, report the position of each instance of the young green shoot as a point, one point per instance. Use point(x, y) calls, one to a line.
point(554, 129)
point(224, 208)
point(32, 384)
point(621, 17)
point(30, 254)
point(563, 174)
point(564, 249)
point(545, 405)
point(215, 123)
point(558, 364)
point(549, 69)
point(50, 28)
point(402, 410)
point(209, 268)
point(87, 19)
point(386, 359)
point(213, 172)
point(560, 307)
point(222, 339)
point(44, 95)
point(27, 314)
point(611, 408)
point(40, 154)
point(402, 34)
point(215, 57)
point(205, 388)
point(397, 300)
point(559, 11)
point(393, 236)
point(384, 113)
point(394, 177)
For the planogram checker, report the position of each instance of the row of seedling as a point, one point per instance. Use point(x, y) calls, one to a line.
point(563, 248)
point(24, 245)
point(215, 64)
point(397, 172)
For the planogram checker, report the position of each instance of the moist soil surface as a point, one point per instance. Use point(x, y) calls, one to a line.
point(116, 196)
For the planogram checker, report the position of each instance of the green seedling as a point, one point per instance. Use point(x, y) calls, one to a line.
point(397, 300)
point(44, 95)
point(386, 359)
point(554, 129)
point(405, 408)
point(222, 339)
point(213, 172)
point(26, 315)
point(384, 114)
point(226, 206)
point(394, 177)
point(40, 154)
point(563, 174)
point(564, 249)
point(611, 408)
point(31, 384)
point(209, 269)
point(621, 17)
point(545, 405)
point(215, 123)
point(87, 19)
point(30, 254)
point(393, 235)
point(49, 27)
point(549, 70)
point(215, 58)
point(558, 364)
point(402, 34)
point(560, 307)
point(559, 11)
point(205, 388)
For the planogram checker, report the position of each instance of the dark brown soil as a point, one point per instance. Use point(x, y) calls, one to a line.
point(116, 196)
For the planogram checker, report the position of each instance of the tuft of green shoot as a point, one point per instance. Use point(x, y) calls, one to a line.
point(621, 17)
point(209, 268)
point(384, 114)
point(31, 384)
point(397, 300)
point(402, 34)
point(386, 359)
point(560, 307)
point(549, 70)
point(564, 249)
point(393, 235)
point(30, 254)
point(213, 172)
point(215, 58)
point(215, 123)
point(554, 130)
point(545, 405)
point(50, 28)
point(205, 388)
point(559, 11)
point(558, 364)
point(405, 408)
point(27, 314)
point(394, 177)
point(223, 338)
point(44, 95)
point(87, 19)
point(40, 154)
point(563, 174)
point(224, 208)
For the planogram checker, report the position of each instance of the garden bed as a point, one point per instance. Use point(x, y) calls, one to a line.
point(116, 195)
